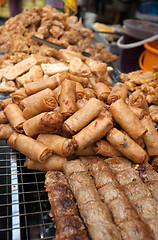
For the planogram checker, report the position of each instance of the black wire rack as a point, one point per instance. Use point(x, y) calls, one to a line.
point(24, 206)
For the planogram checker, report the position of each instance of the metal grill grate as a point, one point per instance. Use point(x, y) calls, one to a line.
point(24, 206)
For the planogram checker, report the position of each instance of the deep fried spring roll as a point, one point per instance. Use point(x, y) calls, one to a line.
point(68, 98)
point(82, 80)
point(5, 131)
point(4, 103)
point(55, 162)
point(94, 213)
point(140, 113)
point(42, 104)
point(151, 136)
point(80, 92)
point(15, 117)
point(83, 116)
point(102, 91)
point(106, 149)
point(47, 122)
point(89, 151)
point(138, 99)
point(127, 146)
point(30, 147)
point(92, 132)
point(118, 164)
point(18, 96)
point(56, 93)
point(127, 119)
point(89, 93)
point(60, 145)
point(34, 87)
point(118, 91)
point(26, 102)
point(81, 103)
point(3, 118)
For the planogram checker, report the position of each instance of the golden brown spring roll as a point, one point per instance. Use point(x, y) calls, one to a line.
point(15, 117)
point(3, 118)
point(92, 132)
point(89, 151)
point(138, 99)
point(81, 103)
point(68, 98)
point(5, 131)
point(18, 96)
point(82, 80)
point(47, 122)
point(43, 104)
point(26, 102)
point(118, 91)
point(55, 162)
point(80, 92)
point(139, 112)
point(151, 136)
point(89, 93)
point(30, 147)
point(127, 119)
point(83, 116)
point(60, 145)
point(106, 149)
point(127, 146)
point(4, 103)
point(34, 87)
point(102, 91)
point(56, 93)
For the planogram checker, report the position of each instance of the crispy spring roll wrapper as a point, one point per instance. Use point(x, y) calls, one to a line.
point(106, 149)
point(140, 113)
point(102, 91)
point(60, 145)
point(127, 119)
point(151, 136)
point(26, 102)
point(89, 93)
point(129, 148)
point(89, 151)
point(56, 93)
point(5, 131)
point(81, 103)
point(30, 147)
point(4, 103)
point(47, 122)
point(43, 104)
point(138, 99)
point(83, 80)
point(15, 117)
point(67, 98)
point(52, 83)
point(118, 91)
point(3, 118)
point(80, 92)
point(83, 116)
point(53, 163)
point(92, 132)
point(18, 96)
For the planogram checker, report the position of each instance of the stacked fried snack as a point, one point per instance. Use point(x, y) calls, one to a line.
point(144, 88)
point(49, 24)
point(116, 198)
point(72, 111)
